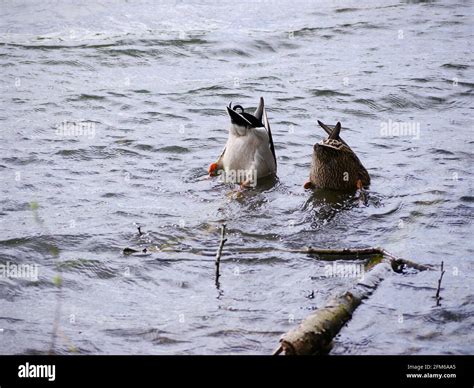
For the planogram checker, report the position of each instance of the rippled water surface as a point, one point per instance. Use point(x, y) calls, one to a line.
point(148, 85)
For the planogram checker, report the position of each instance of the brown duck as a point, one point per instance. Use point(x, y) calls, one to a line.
point(334, 165)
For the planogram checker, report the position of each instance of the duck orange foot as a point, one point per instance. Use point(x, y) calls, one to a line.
point(213, 169)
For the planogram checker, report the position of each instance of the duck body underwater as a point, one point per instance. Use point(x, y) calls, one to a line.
point(249, 153)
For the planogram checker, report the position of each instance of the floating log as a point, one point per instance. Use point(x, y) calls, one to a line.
point(314, 335)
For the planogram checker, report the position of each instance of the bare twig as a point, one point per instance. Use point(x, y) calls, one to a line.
point(219, 254)
point(438, 298)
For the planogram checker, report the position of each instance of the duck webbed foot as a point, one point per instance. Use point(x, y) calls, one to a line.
point(213, 168)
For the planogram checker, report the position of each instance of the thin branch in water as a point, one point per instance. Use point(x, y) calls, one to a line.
point(343, 251)
point(58, 281)
point(219, 254)
point(398, 264)
point(438, 298)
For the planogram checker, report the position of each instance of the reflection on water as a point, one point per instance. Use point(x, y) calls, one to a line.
point(111, 114)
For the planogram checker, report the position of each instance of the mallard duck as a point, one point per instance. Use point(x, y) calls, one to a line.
point(249, 153)
point(334, 165)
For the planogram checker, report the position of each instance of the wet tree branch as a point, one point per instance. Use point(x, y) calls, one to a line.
point(314, 335)
point(398, 264)
point(316, 332)
point(219, 254)
point(438, 298)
